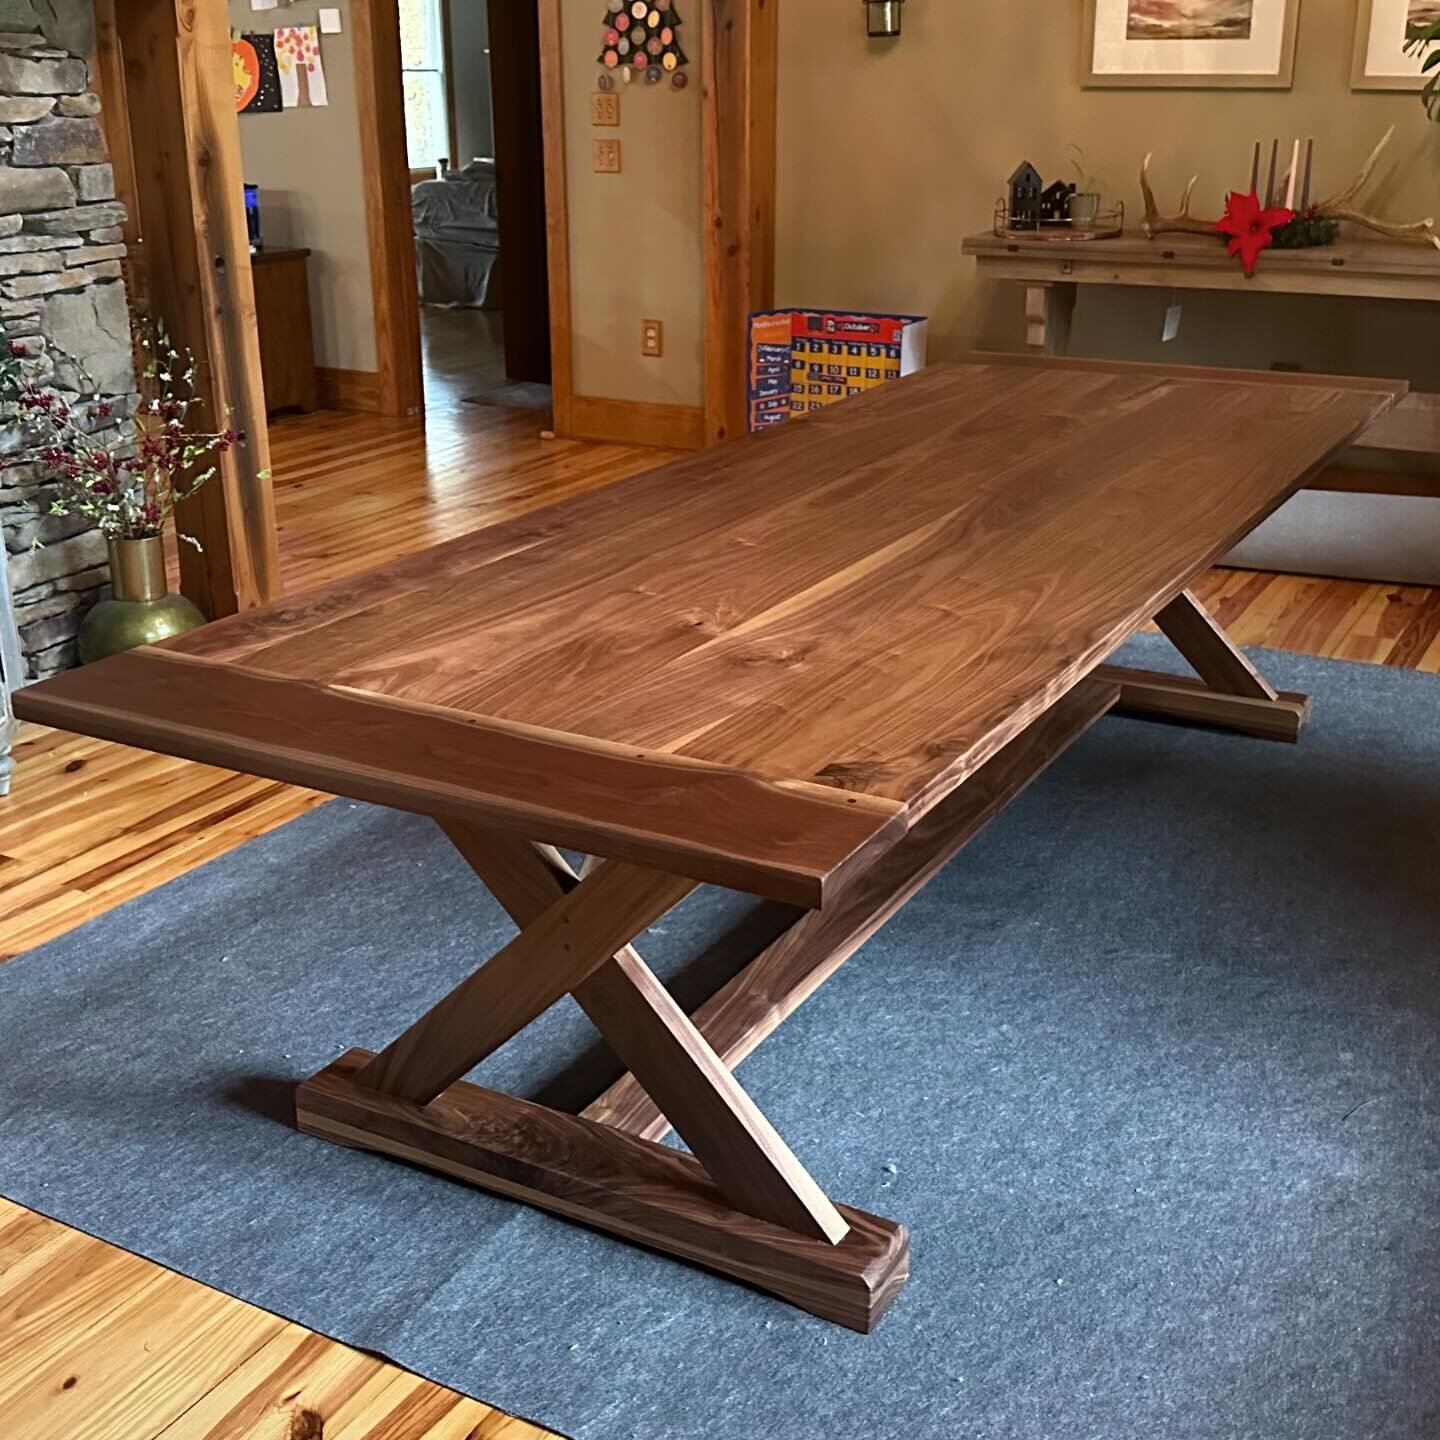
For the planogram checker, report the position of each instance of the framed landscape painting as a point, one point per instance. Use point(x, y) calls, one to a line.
point(1239, 43)
point(1380, 29)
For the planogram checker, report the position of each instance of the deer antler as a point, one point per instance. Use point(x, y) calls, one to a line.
point(1183, 223)
point(1340, 209)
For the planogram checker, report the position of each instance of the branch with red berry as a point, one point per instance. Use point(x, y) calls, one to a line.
point(126, 478)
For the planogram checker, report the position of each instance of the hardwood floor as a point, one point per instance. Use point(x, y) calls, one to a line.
point(98, 1344)
point(464, 354)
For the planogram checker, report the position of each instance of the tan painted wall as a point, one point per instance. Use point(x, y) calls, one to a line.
point(307, 164)
point(877, 187)
point(635, 237)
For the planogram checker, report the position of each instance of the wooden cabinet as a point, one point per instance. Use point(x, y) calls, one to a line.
point(282, 315)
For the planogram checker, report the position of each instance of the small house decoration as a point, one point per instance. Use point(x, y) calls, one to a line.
point(1025, 185)
point(1055, 201)
point(1062, 210)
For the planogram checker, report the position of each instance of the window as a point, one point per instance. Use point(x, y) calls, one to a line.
point(422, 58)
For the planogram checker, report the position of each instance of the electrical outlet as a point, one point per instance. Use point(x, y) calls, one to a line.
point(652, 337)
point(604, 108)
point(607, 157)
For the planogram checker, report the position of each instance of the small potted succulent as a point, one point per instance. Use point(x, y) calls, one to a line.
point(124, 471)
point(1085, 202)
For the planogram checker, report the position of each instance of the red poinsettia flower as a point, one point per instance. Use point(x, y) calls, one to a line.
point(1251, 229)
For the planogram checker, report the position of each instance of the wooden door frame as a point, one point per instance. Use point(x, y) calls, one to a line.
point(738, 114)
point(740, 64)
point(189, 264)
point(388, 217)
point(385, 172)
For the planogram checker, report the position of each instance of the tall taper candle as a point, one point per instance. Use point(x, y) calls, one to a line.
point(1270, 183)
point(1255, 170)
point(1309, 161)
point(1294, 177)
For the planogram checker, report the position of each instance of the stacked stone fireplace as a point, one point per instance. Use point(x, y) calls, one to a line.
point(62, 297)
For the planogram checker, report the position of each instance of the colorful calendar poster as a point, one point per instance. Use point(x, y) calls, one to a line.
point(803, 360)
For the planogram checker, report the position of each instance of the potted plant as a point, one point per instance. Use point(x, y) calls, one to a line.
point(1085, 202)
point(125, 472)
point(1425, 40)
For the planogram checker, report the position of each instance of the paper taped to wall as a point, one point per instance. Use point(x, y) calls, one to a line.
point(297, 51)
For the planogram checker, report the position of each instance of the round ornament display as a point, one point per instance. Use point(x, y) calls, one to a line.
point(643, 35)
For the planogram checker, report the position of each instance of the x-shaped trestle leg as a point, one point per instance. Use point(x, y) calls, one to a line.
point(744, 1204)
point(1227, 691)
point(749, 1162)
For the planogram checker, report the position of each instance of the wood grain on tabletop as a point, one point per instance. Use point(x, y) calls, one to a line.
point(876, 599)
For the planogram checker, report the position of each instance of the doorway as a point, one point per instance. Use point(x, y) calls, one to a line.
point(471, 95)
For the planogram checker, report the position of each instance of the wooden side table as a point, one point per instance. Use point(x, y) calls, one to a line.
point(287, 344)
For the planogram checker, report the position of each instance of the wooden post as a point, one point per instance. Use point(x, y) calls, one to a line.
point(740, 40)
point(171, 60)
point(375, 28)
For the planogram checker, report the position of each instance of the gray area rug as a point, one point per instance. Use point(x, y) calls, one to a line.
point(1152, 1071)
point(517, 395)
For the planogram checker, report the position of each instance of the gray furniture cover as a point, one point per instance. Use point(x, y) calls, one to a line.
point(457, 237)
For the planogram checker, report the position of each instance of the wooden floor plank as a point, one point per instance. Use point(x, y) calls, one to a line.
point(139, 1367)
point(293, 1374)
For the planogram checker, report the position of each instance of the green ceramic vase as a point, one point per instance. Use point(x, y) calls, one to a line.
point(142, 610)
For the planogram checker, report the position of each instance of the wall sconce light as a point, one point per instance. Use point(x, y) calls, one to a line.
point(882, 18)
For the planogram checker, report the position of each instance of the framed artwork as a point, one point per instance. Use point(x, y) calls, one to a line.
point(1247, 44)
point(1380, 28)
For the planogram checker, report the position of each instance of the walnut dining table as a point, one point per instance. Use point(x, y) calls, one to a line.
point(809, 665)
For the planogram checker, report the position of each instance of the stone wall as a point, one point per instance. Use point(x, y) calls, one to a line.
point(61, 295)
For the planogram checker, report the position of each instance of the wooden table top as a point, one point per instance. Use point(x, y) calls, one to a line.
point(760, 663)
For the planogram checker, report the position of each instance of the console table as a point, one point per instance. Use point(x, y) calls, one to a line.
point(1053, 271)
point(1367, 517)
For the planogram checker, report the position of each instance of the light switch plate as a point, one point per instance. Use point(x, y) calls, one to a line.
point(607, 157)
point(652, 337)
point(329, 21)
point(604, 108)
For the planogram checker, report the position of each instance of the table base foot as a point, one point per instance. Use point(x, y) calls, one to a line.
point(642, 1192)
point(1154, 694)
